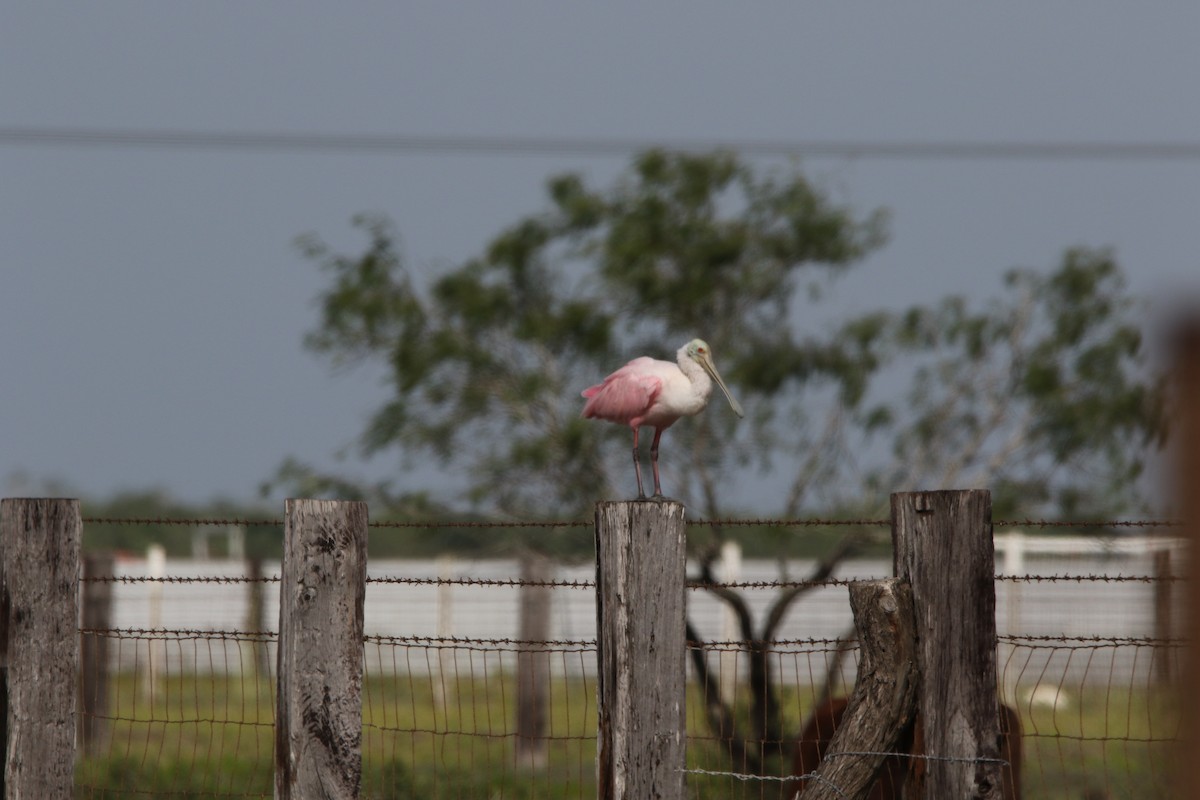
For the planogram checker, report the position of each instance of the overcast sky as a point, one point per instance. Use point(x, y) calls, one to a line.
point(153, 303)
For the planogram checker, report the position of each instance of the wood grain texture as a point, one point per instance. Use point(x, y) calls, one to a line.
point(880, 713)
point(640, 561)
point(318, 721)
point(943, 549)
point(40, 543)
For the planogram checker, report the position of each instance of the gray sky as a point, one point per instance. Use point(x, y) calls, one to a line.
point(152, 302)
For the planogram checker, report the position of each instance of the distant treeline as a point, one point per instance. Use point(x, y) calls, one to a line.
point(172, 528)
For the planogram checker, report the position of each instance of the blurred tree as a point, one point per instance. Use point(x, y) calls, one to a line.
point(488, 361)
point(1042, 396)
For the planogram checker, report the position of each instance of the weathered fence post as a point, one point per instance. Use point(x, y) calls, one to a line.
point(93, 651)
point(318, 716)
point(1164, 607)
point(640, 564)
point(40, 562)
point(255, 652)
point(156, 647)
point(943, 548)
point(533, 660)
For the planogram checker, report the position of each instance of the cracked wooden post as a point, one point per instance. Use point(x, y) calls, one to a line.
point(39, 540)
point(883, 703)
point(318, 714)
point(943, 548)
point(640, 562)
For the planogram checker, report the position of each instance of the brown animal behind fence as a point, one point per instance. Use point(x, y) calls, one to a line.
point(814, 741)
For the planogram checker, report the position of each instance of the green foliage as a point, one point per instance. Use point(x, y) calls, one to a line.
point(1043, 395)
point(487, 361)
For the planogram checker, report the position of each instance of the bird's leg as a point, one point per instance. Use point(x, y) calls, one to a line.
point(654, 461)
point(637, 467)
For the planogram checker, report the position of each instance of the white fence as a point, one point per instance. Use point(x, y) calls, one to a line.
point(413, 613)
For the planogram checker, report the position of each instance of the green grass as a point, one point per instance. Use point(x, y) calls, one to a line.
point(1116, 741)
point(210, 735)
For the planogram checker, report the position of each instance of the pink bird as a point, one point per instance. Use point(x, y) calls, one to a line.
point(650, 392)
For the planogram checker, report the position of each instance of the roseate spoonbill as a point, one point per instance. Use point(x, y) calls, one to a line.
point(650, 392)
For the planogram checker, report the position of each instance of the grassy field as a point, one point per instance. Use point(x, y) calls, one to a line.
point(211, 736)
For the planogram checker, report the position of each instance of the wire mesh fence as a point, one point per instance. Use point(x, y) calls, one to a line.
point(185, 713)
point(189, 703)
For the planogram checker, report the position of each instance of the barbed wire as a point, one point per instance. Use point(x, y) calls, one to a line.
point(1089, 523)
point(451, 642)
point(177, 633)
point(503, 582)
point(1092, 577)
point(503, 524)
point(576, 583)
point(225, 579)
point(776, 584)
point(717, 522)
point(1093, 640)
point(223, 522)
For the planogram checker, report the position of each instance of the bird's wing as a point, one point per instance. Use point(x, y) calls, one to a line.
point(625, 395)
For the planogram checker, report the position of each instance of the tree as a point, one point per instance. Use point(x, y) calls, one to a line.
point(1043, 395)
point(486, 363)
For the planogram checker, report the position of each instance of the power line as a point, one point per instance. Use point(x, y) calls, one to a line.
point(397, 144)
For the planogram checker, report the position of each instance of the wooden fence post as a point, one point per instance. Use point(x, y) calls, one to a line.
point(943, 548)
point(640, 564)
point(1185, 435)
point(255, 652)
point(93, 652)
point(40, 562)
point(533, 661)
point(318, 715)
point(1164, 607)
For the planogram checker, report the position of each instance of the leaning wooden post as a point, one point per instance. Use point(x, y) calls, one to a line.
point(882, 707)
point(40, 543)
point(640, 561)
point(318, 715)
point(943, 548)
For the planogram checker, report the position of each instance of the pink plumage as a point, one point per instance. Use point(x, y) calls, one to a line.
point(626, 395)
point(649, 392)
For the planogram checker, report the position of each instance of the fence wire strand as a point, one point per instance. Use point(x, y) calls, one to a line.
point(441, 712)
point(733, 522)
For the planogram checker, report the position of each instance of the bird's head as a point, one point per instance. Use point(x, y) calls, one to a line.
point(699, 351)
